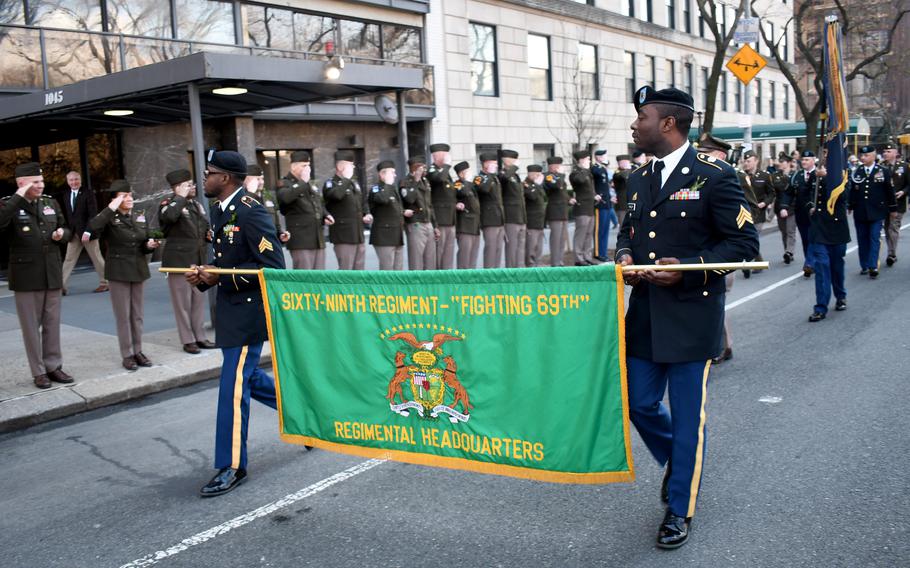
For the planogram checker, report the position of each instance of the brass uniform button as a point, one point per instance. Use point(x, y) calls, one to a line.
point(652, 234)
point(652, 256)
point(653, 213)
point(683, 214)
point(705, 293)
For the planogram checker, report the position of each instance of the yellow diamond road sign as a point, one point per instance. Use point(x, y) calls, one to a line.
point(746, 64)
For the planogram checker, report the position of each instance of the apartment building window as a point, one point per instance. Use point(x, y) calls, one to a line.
point(651, 70)
point(631, 8)
point(646, 10)
point(787, 102)
point(484, 71)
point(758, 96)
point(588, 73)
point(401, 43)
point(631, 79)
point(722, 19)
point(739, 96)
point(671, 14)
point(671, 73)
point(784, 47)
point(205, 20)
point(134, 17)
point(773, 102)
point(723, 91)
point(360, 39)
point(687, 78)
point(701, 25)
point(539, 66)
point(687, 16)
point(704, 87)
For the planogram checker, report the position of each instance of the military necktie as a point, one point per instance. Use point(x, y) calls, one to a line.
point(656, 180)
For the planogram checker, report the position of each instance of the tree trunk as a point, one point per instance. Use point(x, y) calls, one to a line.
point(713, 82)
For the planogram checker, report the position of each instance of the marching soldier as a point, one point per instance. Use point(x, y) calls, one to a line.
point(32, 225)
point(872, 202)
point(802, 200)
point(300, 201)
point(513, 202)
point(444, 199)
point(685, 208)
point(492, 215)
point(126, 232)
point(583, 198)
point(346, 205)
point(786, 223)
point(602, 175)
point(245, 237)
point(536, 206)
point(557, 209)
point(829, 234)
point(187, 237)
point(387, 233)
point(899, 182)
point(420, 223)
point(467, 227)
point(756, 184)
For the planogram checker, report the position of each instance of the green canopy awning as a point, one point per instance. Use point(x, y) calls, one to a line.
point(779, 131)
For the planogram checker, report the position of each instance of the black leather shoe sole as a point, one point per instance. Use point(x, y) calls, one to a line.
point(227, 489)
point(891, 260)
point(674, 544)
point(816, 317)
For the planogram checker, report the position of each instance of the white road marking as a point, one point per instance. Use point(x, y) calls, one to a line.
point(770, 399)
point(246, 518)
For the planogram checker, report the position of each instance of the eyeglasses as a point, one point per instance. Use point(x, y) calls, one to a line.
point(206, 173)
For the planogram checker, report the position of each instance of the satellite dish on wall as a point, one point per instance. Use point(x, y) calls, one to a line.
point(386, 109)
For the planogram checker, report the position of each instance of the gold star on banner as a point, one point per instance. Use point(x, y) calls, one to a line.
point(407, 326)
point(420, 325)
point(386, 332)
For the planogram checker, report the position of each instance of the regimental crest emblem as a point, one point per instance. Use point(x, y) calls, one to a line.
point(426, 380)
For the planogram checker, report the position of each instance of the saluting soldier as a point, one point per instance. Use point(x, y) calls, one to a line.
point(245, 237)
point(802, 200)
point(583, 198)
point(126, 232)
point(756, 184)
point(685, 208)
point(557, 209)
point(32, 225)
point(300, 201)
point(420, 223)
point(536, 206)
point(786, 223)
point(620, 179)
point(467, 221)
point(492, 214)
point(254, 183)
point(345, 203)
point(443, 199)
point(187, 236)
point(513, 202)
point(387, 233)
point(602, 175)
point(899, 173)
point(872, 202)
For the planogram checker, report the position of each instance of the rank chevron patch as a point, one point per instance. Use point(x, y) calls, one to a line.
point(265, 245)
point(744, 217)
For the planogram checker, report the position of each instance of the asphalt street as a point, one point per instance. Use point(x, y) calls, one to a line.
point(807, 460)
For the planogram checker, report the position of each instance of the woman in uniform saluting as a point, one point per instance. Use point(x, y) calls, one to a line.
point(126, 268)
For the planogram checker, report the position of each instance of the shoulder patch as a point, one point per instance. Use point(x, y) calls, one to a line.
point(375, 189)
point(550, 178)
point(478, 179)
point(708, 160)
point(248, 201)
point(328, 183)
point(648, 163)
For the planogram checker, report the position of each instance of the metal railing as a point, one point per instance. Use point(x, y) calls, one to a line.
point(48, 58)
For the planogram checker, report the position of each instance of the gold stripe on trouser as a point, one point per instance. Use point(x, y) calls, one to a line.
point(700, 448)
point(238, 415)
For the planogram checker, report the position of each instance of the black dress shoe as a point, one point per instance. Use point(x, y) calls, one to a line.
point(581, 264)
point(673, 531)
point(601, 258)
point(873, 273)
point(808, 271)
point(58, 375)
point(816, 316)
point(665, 484)
point(864, 271)
point(589, 263)
point(191, 348)
point(747, 274)
point(788, 257)
point(724, 356)
point(891, 260)
point(226, 480)
point(206, 344)
point(840, 305)
point(42, 382)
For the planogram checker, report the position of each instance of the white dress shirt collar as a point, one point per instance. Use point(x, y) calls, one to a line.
point(226, 202)
point(670, 161)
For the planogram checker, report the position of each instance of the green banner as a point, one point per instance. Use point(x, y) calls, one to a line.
point(511, 372)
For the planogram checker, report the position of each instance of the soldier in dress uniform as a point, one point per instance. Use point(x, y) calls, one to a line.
point(786, 223)
point(387, 233)
point(467, 221)
point(443, 198)
point(802, 200)
point(245, 237)
point(345, 203)
point(685, 208)
point(420, 222)
point(872, 203)
point(300, 201)
point(602, 175)
point(513, 203)
point(187, 236)
point(899, 175)
point(254, 183)
point(32, 225)
point(583, 198)
point(557, 209)
point(620, 179)
point(756, 184)
point(492, 214)
point(126, 232)
point(536, 207)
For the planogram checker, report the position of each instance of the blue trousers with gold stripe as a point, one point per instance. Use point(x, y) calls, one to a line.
point(602, 232)
point(241, 379)
point(679, 437)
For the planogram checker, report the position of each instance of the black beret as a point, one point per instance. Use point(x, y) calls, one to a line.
point(120, 186)
point(784, 157)
point(647, 95)
point(439, 148)
point(553, 160)
point(344, 156)
point(535, 168)
point(461, 166)
point(889, 146)
point(488, 157)
point(28, 170)
point(707, 142)
point(508, 153)
point(228, 161)
point(178, 176)
point(384, 165)
point(579, 154)
point(637, 153)
point(416, 162)
point(300, 156)
point(749, 154)
point(622, 157)
point(253, 170)
point(600, 152)
point(867, 150)
point(807, 154)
